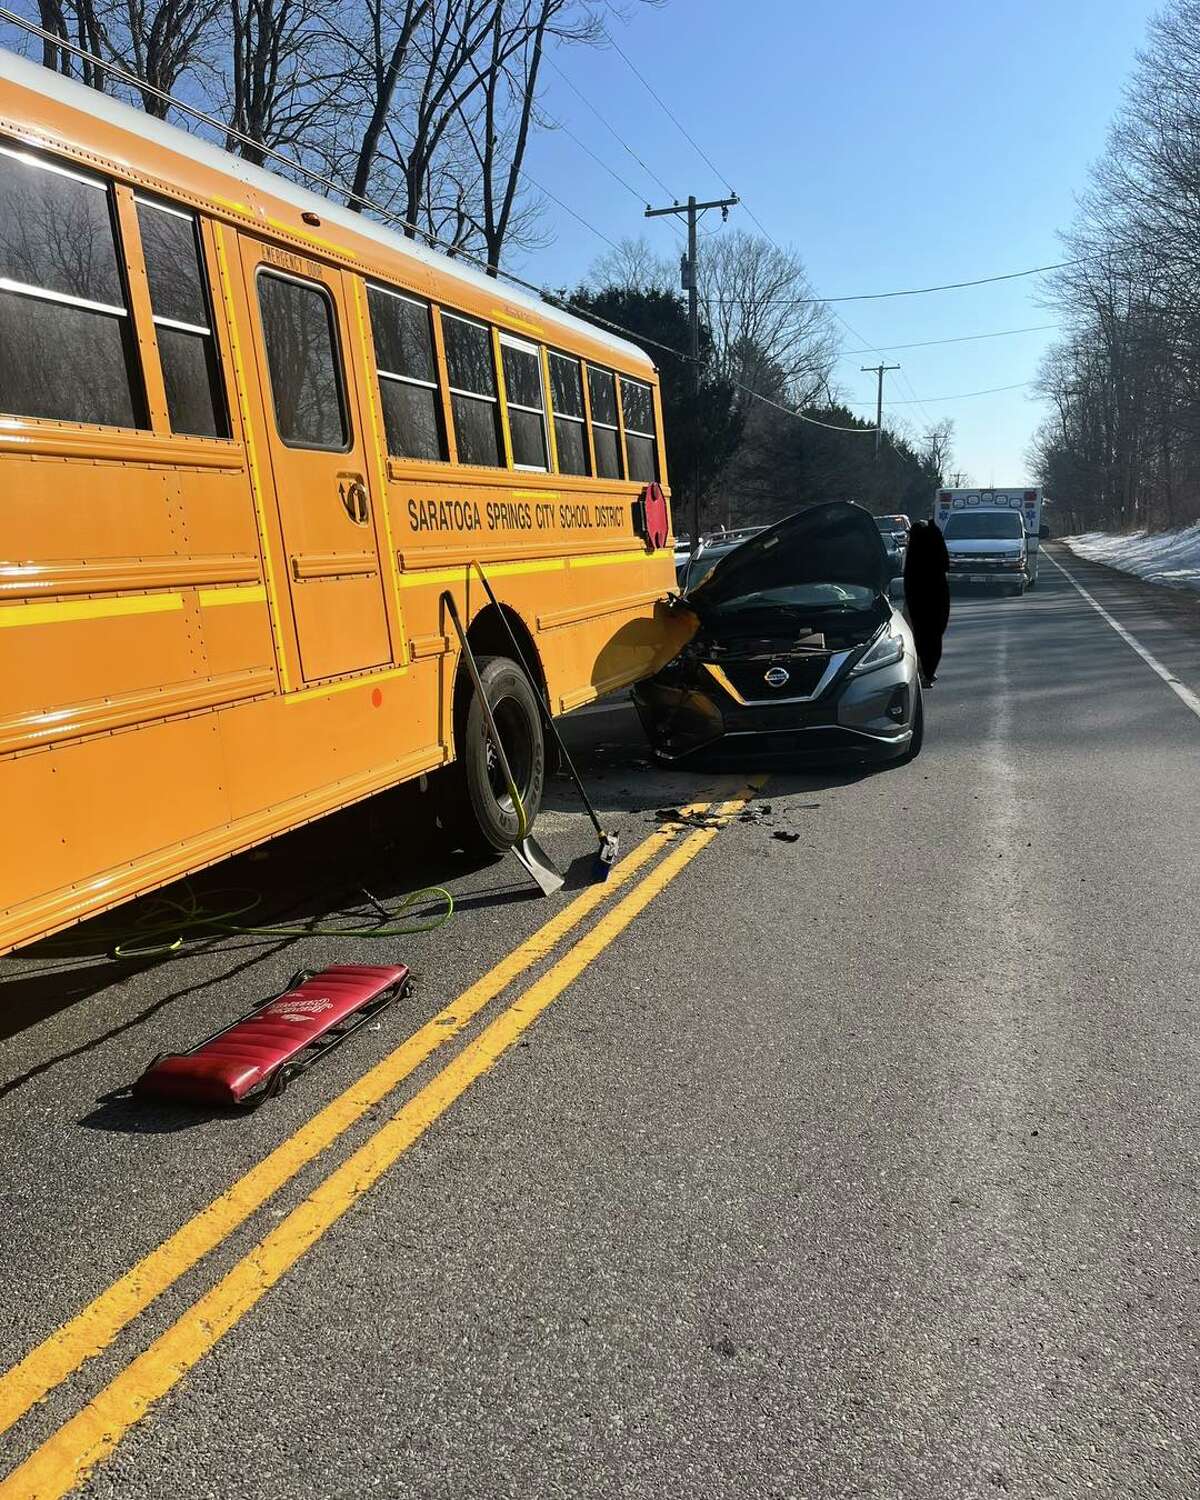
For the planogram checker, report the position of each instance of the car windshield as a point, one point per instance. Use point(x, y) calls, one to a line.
point(802, 596)
point(984, 526)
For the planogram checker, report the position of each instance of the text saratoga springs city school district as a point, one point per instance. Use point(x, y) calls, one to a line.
point(513, 515)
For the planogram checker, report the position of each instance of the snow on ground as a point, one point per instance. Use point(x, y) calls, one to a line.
point(1168, 557)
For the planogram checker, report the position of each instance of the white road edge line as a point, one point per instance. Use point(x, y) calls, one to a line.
point(1181, 690)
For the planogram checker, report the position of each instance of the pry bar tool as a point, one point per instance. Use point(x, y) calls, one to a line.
point(530, 855)
point(607, 854)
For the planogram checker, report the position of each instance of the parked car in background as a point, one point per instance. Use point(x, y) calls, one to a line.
point(689, 571)
point(894, 531)
point(798, 647)
point(899, 526)
point(712, 549)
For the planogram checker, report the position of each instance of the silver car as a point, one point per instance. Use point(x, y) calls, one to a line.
point(799, 646)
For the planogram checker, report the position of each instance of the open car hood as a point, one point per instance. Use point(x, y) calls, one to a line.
point(835, 542)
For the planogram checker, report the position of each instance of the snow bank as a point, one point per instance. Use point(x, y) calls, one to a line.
point(1168, 557)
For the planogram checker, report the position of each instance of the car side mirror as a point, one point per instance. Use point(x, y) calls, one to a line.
point(896, 591)
point(1043, 532)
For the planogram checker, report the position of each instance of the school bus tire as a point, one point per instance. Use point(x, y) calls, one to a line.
point(477, 810)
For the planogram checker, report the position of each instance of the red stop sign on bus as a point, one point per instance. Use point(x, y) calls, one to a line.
point(653, 522)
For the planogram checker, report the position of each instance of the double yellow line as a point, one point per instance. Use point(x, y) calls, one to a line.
point(69, 1455)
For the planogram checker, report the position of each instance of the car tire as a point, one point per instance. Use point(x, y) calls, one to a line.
point(918, 731)
point(477, 811)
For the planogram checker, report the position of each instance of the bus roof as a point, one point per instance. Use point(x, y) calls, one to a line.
point(144, 127)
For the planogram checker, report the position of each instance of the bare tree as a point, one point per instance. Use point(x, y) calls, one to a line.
point(1122, 447)
point(285, 71)
point(508, 85)
point(767, 334)
point(637, 267)
point(391, 31)
point(937, 449)
point(159, 42)
point(425, 106)
point(70, 21)
point(451, 103)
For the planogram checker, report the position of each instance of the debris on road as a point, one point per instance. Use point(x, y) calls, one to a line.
point(755, 812)
point(689, 819)
point(782, 833)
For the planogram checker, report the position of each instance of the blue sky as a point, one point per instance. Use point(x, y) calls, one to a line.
point(892, 145)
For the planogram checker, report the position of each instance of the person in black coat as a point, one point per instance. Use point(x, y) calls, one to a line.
point(927, 594)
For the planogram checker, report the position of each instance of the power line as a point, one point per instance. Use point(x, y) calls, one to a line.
point(708, 161)
point(566, 208)
point(616, 135)
point(388, 215)
point(599, 160)
point(960, 396)
point(916, 291)
point(916, 400)
point(966, 338)
point(859, 297)
point(790, 412)
point(699, 150)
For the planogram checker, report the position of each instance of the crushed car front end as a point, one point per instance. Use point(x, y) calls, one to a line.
point(798, 650)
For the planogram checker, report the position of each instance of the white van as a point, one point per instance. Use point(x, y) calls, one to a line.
point(993, 536)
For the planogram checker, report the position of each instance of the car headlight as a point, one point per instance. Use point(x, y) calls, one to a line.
point(886, 651)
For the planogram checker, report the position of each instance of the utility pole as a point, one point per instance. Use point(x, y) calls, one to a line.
point(879, 370)
point(691, 284)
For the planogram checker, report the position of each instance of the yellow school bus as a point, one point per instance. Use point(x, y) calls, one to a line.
point(249, 439)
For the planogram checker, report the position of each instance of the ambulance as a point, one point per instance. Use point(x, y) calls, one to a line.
point(993, 536)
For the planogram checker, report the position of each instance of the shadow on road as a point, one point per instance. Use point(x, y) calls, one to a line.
point(343, 868)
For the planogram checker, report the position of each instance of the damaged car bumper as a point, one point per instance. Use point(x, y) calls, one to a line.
point(798, 648)
point(694, 706)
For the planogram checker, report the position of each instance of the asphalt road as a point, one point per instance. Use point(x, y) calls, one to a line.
point(862, 1164)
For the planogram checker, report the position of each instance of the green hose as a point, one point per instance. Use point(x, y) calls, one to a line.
point(168, 923)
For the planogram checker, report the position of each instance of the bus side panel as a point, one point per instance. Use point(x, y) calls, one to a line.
point(106, 596)
point(86, 812)
point(578, 575)
point(356, 731)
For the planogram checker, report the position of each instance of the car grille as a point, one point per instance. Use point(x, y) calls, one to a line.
point(981, 564)
point(765, 719)
point(804, 673)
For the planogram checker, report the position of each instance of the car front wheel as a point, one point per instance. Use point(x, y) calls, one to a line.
point(918, 731)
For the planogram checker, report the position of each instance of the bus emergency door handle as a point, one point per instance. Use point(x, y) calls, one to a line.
point(354, 499)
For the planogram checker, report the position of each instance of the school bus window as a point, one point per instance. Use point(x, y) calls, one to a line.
point(603, 391)
point(302, 354)
point(408, 390)
point(570, 438)
point(472, 391)
point(68, 351)
point(526, 402)
point(182, 320)
point(637, 408)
